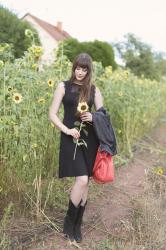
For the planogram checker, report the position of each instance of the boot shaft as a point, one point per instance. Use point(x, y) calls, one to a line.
point(78, 223)
point(70, 219)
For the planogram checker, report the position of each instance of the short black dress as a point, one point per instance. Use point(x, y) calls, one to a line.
point(85, 156)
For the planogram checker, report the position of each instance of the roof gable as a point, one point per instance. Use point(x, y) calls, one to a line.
point(54, 31)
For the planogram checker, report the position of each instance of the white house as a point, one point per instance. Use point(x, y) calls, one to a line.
point(49, 35)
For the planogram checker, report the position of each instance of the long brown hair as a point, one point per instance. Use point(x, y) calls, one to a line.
point(83, 60)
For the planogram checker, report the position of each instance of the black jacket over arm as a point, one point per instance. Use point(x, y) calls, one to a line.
point(104, 131)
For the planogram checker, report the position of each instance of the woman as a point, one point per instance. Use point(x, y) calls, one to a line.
point(77, 89)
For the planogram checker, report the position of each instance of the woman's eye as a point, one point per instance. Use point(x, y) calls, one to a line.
point(83, 69)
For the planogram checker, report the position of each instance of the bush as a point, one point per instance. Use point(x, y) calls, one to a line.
point(98, 50)
point(12, 31)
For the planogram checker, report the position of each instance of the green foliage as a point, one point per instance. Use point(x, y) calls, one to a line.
point(6, 52)
point(160, 64)
point(30, 141)
point(70, 47)
point(142, 64)
point(12, 31)
point(140, 58)
point(98, 50)
point(101, 52)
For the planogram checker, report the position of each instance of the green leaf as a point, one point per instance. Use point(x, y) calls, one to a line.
point(74, 140)
point(84, 142)
point(77, 123)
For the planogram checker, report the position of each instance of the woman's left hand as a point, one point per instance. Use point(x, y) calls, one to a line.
point(86, 117)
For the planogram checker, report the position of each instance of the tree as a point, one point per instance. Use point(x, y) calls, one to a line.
point(98, 50)
point(160, 63)
point(101, 51)
point(137, 56)
point(12, 31)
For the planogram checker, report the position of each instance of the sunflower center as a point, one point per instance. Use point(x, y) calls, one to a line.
point(83, 107)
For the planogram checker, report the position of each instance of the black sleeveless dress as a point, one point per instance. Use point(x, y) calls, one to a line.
point(85, 156)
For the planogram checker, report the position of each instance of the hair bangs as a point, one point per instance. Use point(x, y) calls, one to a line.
point(83, 61)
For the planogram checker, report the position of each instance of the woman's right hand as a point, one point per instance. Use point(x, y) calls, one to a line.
point(74, 132)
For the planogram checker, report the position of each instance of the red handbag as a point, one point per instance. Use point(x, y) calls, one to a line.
point(103, 170)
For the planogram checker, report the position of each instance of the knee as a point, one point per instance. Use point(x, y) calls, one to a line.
point(83, 181)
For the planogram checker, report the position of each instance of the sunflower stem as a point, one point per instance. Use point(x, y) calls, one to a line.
point(77, 141)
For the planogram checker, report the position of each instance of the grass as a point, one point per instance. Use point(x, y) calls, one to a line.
point(4, 238)
point(146, 230)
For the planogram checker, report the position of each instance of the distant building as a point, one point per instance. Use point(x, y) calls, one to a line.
point(49, 35)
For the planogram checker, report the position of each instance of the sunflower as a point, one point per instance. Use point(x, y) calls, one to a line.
point(108, 71)
point(34, 145)
point(159, 170)
point(50, 83)
point(120, 93)
point(35, 66)
point(28, 33)
point(17, 98)
point(41, 100)
point(9, 89)
point(82, 107)
point(36, 51)
point(126, 74)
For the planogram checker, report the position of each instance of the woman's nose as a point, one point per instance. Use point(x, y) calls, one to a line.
point(80, 71)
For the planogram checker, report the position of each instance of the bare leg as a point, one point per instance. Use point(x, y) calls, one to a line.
point(84, 196)
point(79, 190)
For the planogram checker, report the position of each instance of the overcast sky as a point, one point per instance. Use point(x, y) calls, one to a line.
point(106, 20)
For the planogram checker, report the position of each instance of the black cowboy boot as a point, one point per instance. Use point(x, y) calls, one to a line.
point(69, 221)
point(78, 222)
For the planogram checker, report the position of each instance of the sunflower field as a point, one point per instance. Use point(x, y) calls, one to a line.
point(30, 141)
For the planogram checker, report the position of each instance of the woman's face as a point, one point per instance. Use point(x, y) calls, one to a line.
point(80, 73)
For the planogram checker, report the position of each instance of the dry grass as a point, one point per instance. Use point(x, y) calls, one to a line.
point(146, 230)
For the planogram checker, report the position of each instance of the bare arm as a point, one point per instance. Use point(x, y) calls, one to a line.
point(53, 110)
point(98, 101)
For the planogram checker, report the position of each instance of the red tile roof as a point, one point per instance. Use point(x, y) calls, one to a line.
point(57, 34)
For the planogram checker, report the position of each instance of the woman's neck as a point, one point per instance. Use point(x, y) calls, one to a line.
point(78, 83)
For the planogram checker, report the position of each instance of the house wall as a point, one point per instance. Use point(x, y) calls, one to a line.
point(47, 41)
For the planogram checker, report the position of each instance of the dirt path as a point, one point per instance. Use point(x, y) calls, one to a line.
point(113, 205)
